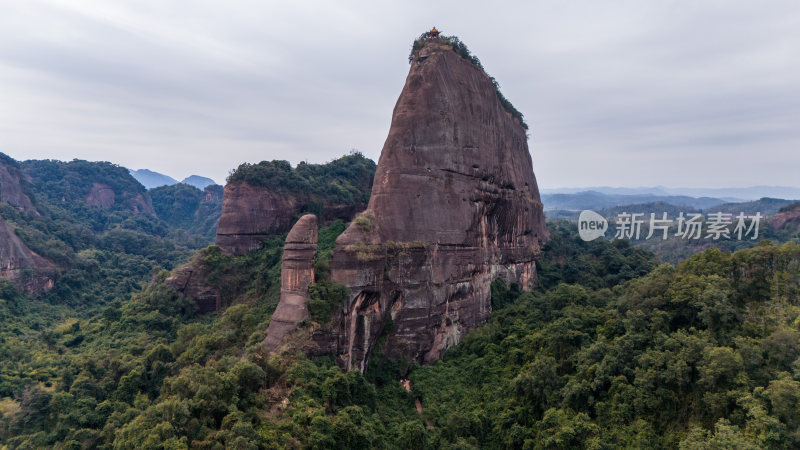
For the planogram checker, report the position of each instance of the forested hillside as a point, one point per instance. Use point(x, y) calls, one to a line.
point(97, 225)
point(344, 180)
point(700, 355)
point(186, 208)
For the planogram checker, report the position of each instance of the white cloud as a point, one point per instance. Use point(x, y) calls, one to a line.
point(628, 93)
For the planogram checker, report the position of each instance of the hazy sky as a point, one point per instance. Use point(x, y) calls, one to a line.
point(626, 93)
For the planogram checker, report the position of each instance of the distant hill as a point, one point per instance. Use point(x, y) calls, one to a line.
point(727, 194)
point(150, 179)
point(198, 181)
point(87, 233)
point(766, 206)
point(596, 200)
point(781, 223)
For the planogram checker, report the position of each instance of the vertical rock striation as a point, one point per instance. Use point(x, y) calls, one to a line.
point(454, 206)
point(297, 274)
point(251, 214)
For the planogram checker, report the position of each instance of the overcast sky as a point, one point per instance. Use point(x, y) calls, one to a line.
point(626, 93)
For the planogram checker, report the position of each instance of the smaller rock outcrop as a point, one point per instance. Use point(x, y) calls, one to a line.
point(297, 274)
point(101, 195)
point(21, 265)
point(785, 218)
point(190, 280)
point(249, 215)
point(11, 186)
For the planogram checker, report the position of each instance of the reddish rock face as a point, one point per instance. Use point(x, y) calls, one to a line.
point(18, 263)
point(297, 274)
point(11, 191)
point(790, 214)
point(250, 215)
point(190, 280)
point(142, 205)
point(454, 205)
point(101, 196)
point(21, 265)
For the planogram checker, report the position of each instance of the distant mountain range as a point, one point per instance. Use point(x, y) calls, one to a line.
point(150, 179)
point(725, 194)
point(596, 200)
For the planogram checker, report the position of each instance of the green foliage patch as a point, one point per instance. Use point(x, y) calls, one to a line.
point(612, 350)
point(344, 180)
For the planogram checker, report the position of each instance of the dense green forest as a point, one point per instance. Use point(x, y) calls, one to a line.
point(188, 209)
point(103, 254)
point(347, 179)
point(614, 350)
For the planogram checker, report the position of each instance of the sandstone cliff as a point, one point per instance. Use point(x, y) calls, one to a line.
point(297, 274)
point(21, 265)
point(265, 199)
point(249, 215)
point(454, 205)
point(18, 263)
point(787, 218)
point(104, 196)
point(12, 182)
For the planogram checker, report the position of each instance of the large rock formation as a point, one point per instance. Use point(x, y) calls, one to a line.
point(454, 206)
point(297, 274)
point(265, 199)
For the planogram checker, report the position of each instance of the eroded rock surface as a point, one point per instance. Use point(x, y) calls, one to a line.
point(18, 263)
point(454, 205)
point(21, 265)
point(101, 195)
point(11, 186)
point(265, 199)
point(191, 280)
point(297, 274)
point(787, 216)
point(250, 215)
